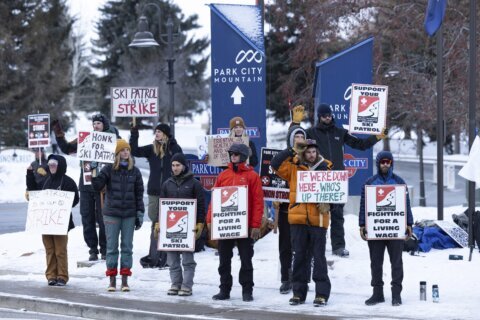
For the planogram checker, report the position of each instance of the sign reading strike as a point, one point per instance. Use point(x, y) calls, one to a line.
point(49, 211)
point(274, 188)
point(229, 213)
point(218, 149)
point(385, 212)
point(368, 108)
point(134, 102)
point(96, 146)
point(177, 221)
point(322, 186)
point(38, 130)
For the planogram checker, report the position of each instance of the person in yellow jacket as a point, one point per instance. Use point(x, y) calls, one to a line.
point(308, 222)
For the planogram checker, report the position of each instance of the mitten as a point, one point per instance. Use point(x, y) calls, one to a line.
point(363, 233)
point(300, 147)
point(383, 134)
point(156, 230)
point(298, 114)
point(198, 230)
point(41, 171)
point(139, 220)
point(255, 233)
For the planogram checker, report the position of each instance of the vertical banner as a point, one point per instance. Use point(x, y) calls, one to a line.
point(368, 108)
point(238, 77)
point(333, 80)
point(38, 130)
point(134, 102)
point(322, 186)
point(229, 212)
point(274, 188)
point(386, 212)
point(177, 220)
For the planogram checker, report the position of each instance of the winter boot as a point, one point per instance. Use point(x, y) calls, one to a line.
point(247, 296)
point(377, 297)
point(319, 301)
point(113, 284)
point(93, 257)
point(173, 291)
point(125, 287)
point(221, 296)
point(286, 287)
point(295, 301)
point(396, 299)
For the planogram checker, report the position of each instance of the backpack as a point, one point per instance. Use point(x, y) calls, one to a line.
point(411, 244)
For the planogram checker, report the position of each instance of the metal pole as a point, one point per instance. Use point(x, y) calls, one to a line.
point(471, 117)
point(171, 82)
point(440, 134)
point(422, 202)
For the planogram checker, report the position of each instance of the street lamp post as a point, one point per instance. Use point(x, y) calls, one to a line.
point(144, 39)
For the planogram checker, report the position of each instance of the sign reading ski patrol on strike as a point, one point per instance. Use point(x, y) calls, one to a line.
point(229, 213)
point(322, 186)
point(274, 188)
point(177, 221)
point(38, 130)
point(368, 108)
point(134, 102)
point(385, 212)
point(96, 146)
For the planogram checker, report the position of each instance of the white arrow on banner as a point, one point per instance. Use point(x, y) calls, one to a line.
point(237, 96)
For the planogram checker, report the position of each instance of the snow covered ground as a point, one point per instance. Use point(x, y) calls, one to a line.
point(22, 258)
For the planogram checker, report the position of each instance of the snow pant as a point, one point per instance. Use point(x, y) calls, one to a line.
point(377, 253)
point(91, 212)
point(114, 227)
point(183, 280)
point(284, 243)
point(225, 252)
point(57, 258)
point(315, 238)
point(337, 233)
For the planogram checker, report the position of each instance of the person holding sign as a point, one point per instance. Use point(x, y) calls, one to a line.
point(55, 245)
point(182, 185)
point(385, 176)
point(237, 129)
point(239, 173)
point(331, 140)
point(159, 155)
point(308, 222)
point(123, 211)
point(39, 167)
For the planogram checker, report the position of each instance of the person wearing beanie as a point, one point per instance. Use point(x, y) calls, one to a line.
point(123, 211)
point(55, 245)
point(159, 155)
point(239, 174)
point(183, 185)
point(385, 176)
point(237, 129)
point(331, 140)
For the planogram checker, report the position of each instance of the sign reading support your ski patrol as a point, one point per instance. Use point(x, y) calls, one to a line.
point(229, 212)
point(274, 188)
point(38, 130)
point(177, 220)
point(49, 211)
point(134, 102)
point(96, 146)
point(322, 186)
point(368, 108)
point(385, 212)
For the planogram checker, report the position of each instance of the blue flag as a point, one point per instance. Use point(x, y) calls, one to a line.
point(434, 15)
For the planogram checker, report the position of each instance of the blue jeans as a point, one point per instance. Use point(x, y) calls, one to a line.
point(113, 227)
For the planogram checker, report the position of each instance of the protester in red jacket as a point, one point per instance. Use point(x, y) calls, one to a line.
point(239, 173)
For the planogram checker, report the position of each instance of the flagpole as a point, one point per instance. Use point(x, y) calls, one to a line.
point(440, 128)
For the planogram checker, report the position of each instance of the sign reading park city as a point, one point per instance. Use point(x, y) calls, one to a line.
point(134, 102)
point(96, 146)
point(274, 188)
point(38, 130)
point(368, 108)
point(386, 212)
point(177, 224)
point(206, 174)
point(229, 212)
point(322, 186)
point(218, 149)
point(49, 211)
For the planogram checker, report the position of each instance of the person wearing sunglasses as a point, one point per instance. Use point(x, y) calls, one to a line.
point(331, 140)
point(385, 176)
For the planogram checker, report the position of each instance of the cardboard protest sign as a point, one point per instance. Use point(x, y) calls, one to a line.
point(322, 186)
point(368, 108)
point(177, 220)
point(218, 149)
point(274, 188)
point(206, 174)
point(38, 130)
point(134, 102)
point(386, 212)
point(96, 146)
point(49, 211)
point(229, 212)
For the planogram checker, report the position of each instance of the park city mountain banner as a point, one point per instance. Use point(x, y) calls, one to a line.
point(238, 69)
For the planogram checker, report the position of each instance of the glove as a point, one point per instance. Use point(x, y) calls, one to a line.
point(156, 230)
point(139, 220)
point(57, 128)
point(383, 134)
point(300, 147)
point(276, 205)
point(409, 232)
point(323, 207)
point(298, 113)
point(198, 230)
point(255, 233)
point(363, 233)
point(27, 196)
point(134, 130)
point(41, 172)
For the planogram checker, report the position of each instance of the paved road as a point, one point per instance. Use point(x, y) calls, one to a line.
point(25, 314)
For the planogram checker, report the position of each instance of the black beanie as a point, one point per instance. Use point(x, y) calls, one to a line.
point(179, 157)
point(100, 117)
point(323, 109)
point(164, 128)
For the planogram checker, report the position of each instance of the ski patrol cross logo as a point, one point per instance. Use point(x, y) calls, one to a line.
point(229, 199)
point(265, 181)
point(368, 109)
point(82, 136)
point(177, 224)
point(386, 198)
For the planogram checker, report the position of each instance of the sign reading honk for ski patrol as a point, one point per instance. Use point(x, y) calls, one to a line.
point(368, 109)
point(96, 146)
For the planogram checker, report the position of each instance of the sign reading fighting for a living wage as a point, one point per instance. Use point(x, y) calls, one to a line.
point(177, 224)
point(368, 108)
point(385, 212)
point(134, 102)
point(274, 188)
point(218, 146)
point(322, 186)
point(229, 212)
point(96, 146)
point(38, 130)
point(49, 211)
